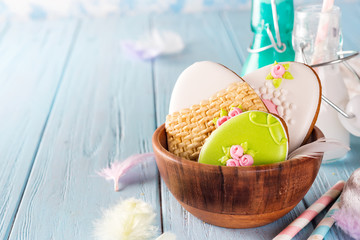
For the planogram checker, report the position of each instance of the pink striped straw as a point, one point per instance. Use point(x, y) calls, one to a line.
point(322, 30)
point(300, 222)
point(324, 226)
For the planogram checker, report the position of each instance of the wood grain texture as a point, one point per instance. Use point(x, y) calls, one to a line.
point(236, 197)
point(103, 112)
point(32, 58)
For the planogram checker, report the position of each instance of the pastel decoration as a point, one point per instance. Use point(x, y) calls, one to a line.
point(236, 152)
point(325, 224)
point(188, 129)
point(232, 163)
point(199, 82)
point(270, 106)
point(348, 215)
point(278, 72)
point(261, 135)
point(234, 112)
point(296, 96)
point(246, 160)
point(305, 218)
point(221, 120)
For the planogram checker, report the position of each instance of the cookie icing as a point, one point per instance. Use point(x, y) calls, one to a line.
point(278, 73)
point(296, 99)
point(198, 82)
point(261, 135)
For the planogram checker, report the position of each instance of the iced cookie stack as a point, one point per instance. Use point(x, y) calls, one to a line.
point(218, 118)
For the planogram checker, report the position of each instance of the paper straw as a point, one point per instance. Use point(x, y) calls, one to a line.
point(324, 226)
point(322, 30)
point(300, 222)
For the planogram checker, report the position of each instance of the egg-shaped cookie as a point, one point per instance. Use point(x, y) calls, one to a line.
point(199, 82)
point(292, 91)
point(257, 135)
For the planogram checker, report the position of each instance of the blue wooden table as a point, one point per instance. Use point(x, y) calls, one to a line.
point(71, 103)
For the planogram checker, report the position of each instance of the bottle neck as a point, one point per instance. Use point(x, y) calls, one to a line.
point(262, 16)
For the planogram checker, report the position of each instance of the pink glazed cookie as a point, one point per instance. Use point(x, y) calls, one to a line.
point(292, 91)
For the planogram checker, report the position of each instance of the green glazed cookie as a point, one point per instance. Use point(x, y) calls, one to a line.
point(260, 135)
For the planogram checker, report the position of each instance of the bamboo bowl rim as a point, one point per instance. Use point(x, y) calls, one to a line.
point(316, 132)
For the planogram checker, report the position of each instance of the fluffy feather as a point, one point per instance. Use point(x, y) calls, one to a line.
point(119, 168)
point(131, 219)
point(318, 147)
point(348, 215)
point(348, 222)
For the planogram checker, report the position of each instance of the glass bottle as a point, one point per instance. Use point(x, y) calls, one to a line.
point(261, 18)
point(321, 44)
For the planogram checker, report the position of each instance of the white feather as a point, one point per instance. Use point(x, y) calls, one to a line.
point(318, 147)
point(131, 219)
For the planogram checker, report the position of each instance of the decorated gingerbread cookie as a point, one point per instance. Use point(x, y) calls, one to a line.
point(188, 128)
point(292, 91)
point(199, 82)
point(245, 139)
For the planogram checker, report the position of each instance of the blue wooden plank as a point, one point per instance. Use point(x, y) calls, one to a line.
point(103, 111)
point(207, 38)
point(32, 59)
point(238, 25)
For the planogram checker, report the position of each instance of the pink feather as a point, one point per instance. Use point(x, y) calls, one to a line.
point(120, 168)
point(348, 222)
point(348, 215)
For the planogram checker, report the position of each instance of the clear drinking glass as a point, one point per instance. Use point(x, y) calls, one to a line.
point(319, 34)
point(307, 31)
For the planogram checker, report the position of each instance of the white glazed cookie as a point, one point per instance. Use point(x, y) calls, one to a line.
point(198, 82)
point(293, 91)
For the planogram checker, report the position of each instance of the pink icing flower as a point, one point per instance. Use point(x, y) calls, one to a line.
point(234, 112)
point(246, 160)
point(221, 120)
point(232, 163)
point(236, 151)
point(278, 71)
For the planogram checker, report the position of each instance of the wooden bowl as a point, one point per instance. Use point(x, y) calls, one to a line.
point(236, 197)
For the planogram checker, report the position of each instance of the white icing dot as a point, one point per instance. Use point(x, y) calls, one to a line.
point(292, 106)
point(285, 104)
point(276, 101)
point(263, 90)
point(287, 111)
point(284, 91)
point(286, 118)
point(266, 96)
point(257, 91)
point(280, 110)
point(291, 121)
point(270, 91)
point(282, 98)
point(277, 93)
point(268, 84)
